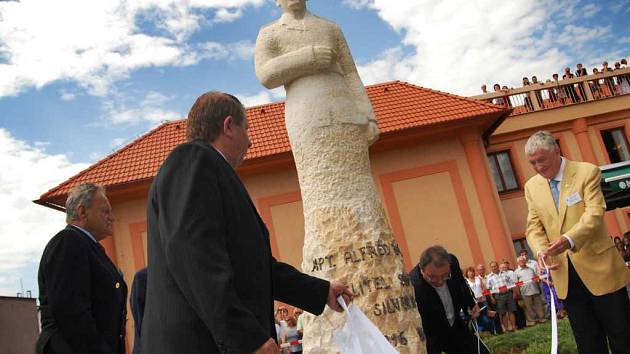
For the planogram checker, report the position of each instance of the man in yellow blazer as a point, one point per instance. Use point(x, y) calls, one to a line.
point(565, 228)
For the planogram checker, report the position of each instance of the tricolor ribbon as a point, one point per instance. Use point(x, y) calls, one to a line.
point(554, 320)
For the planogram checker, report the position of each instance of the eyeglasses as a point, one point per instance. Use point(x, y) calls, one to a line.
point(437, 278)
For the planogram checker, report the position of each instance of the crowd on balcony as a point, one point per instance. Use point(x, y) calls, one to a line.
point(563, 94)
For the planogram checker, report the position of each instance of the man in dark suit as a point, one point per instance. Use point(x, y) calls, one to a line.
point(137, 299)
point(441, 293)
point(212, 278)
point(82, 294)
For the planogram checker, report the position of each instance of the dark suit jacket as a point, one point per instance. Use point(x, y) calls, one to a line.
point(434, 322)
point(137, 300)
point(212, 277)
point(82, 297)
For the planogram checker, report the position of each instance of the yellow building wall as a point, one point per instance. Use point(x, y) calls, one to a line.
point(429, 210)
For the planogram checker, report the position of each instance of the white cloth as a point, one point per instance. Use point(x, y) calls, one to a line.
point(447, 302)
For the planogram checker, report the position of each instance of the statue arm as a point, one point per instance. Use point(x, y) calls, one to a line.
point(357, 90)
point(276, 70)
point(353, 80)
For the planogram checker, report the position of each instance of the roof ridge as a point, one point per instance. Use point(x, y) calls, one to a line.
point(110, 156)
point(463, 98)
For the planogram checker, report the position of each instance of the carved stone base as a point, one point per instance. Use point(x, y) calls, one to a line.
point(347, 237)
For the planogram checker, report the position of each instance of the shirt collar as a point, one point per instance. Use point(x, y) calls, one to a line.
point(285, 20)
point(220, 153)
point(85, 232)
point(560, 174)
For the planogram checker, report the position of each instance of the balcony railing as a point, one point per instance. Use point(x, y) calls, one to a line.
point(542, 96)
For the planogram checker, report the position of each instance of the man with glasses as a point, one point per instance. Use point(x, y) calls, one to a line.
point(441, 294)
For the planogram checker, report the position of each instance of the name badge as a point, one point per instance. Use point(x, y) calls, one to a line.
point(573, 199)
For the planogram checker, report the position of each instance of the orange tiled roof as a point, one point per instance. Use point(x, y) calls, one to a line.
point(398, 106)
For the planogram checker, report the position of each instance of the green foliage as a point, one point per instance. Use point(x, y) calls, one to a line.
point(533, 340)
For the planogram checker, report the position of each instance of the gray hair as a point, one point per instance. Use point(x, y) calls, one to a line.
point(81, 195)
point(437, 255)
point(540, 140)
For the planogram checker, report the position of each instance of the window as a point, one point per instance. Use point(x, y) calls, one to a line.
point(521, 244)
point(502, 171)
point(616, 145)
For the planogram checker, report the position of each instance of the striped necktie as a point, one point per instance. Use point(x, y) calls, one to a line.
point(555, 192)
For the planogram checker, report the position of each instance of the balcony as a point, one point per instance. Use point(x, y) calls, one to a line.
point(554, 94)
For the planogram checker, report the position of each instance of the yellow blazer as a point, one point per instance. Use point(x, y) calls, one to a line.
point(594, 256)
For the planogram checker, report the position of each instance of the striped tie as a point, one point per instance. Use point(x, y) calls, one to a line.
point(555, 192)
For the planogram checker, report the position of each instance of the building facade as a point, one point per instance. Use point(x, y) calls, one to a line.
point(450, 170)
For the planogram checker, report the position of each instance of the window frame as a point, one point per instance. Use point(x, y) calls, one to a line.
point(493, 155)
point(609, 131)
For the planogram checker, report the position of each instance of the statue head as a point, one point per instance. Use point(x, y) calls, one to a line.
point(291, 5)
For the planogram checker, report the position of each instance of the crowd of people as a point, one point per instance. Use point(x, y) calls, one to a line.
point(512, 298)
point(566, 94)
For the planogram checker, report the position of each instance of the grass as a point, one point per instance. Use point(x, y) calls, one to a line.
point(533, 340)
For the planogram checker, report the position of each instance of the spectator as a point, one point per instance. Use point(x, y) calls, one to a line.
point(608, 81)
point(580, 71)
point(595, 86)
point(501, 283)
point(624, 63)
point(484, 88)
point(290, 335)
point(478, 286)
point(623, 81)
point(496, 321)
point(300, 322)
point(538, 92)
point(605, 67)
point(570, 89)
point(498, 100)
point(530, 292)
point(527, 100)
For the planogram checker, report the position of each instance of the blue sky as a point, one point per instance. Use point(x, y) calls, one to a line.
point(79, 79)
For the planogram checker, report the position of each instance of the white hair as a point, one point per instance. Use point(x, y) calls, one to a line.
point(81, 195)
point(540, 140)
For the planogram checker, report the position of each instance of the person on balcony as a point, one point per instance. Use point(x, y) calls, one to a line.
point(527, 101)
point(623, 81)
point(570, 89)
point(498, 100)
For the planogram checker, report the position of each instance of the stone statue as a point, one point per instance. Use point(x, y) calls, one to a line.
point(330, 123)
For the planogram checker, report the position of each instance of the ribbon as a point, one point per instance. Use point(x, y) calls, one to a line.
point(554, 320)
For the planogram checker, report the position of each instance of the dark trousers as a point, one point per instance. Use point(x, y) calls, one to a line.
point(594, 319)
point(455, 340)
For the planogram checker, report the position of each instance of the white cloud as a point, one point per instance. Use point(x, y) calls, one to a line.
point(96, 43)
point(590, 10)
point(457, 45)
point(243, 50)
point(25, 227)
point(67, 96)
point(117, 142)
point(152, 108)
point(262, 97)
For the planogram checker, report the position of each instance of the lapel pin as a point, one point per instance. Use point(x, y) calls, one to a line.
point(117, 285)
